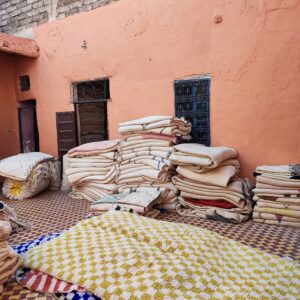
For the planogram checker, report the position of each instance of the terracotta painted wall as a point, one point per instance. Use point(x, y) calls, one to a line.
point(143, 45)
point(9, 137)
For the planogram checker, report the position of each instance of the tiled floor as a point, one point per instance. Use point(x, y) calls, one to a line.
point(54, 211)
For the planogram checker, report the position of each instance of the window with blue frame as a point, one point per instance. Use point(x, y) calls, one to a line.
point(192, 97)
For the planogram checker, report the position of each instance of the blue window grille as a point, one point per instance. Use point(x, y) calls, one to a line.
point(192, 97)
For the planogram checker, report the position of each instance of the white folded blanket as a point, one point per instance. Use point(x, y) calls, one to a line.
point(146, 120)
point(219, 176)
point(210, 156)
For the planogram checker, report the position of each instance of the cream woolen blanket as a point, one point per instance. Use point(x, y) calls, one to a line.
point(103, 157)
point(219, 176)
point(146, 120)
point(154, 158)
point(151, 153)
point(154, 123)
point(273, 204)
point(106, 178)
point(201, 169)
point(282, 170)
point(208, 156)
point(268, 186)
point(292, 199)
point(234, 186)
point(279, 211)
point(168, 186)
point(277, 222)
point(94, 148)
point(268, 216)
point(282, 182)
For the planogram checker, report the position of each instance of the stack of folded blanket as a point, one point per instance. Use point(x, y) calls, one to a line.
point(209, 187)
point(277, 195)
point(93, 169)
point(144, 156)
point(137, 202)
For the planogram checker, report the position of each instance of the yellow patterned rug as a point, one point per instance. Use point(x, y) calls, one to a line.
point(123, 256)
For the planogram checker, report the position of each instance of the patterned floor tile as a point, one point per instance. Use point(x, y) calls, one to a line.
point(54, 211)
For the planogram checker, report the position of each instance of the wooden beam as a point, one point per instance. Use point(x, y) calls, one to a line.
point(18, 45)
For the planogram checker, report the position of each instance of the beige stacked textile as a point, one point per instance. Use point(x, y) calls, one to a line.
point(9, 259)
point(138, 202)
point(93, 169)
point(144, 156)
point(277, 195)
point(208, 185)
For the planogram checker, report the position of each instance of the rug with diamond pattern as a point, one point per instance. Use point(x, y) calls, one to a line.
point(54, 211)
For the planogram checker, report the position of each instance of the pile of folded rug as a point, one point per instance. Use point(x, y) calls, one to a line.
point(141, 203)
point(208, 185)
point(277, 195)
point(28, 174)
point(144, 153)
point(93, 169)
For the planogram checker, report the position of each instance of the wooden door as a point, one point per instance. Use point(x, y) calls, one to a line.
point(29, 138)
point(66, 132)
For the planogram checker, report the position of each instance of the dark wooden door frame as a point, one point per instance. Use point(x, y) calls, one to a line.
point(31, 105)
point(66, 132)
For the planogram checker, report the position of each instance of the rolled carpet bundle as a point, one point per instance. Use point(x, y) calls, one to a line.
point(92, 170)
point(208, 185)
point(38, 181)
point(277, 195)
point(139, 202)
point(144, 156)
point(28, 174)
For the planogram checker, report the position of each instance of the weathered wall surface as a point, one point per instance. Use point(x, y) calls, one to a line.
point(18, 15)
point(9, 144)
point(144, 45)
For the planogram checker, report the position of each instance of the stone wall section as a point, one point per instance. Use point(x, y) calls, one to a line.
point(19, 15)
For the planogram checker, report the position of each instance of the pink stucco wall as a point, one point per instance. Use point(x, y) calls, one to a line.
point(9, 143)
point(144, 45)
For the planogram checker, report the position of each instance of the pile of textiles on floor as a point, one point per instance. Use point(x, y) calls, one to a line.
point(137, 202)
point(209, 187)
point(120, 255)
point(27, 174)
point(9, 259)
point(93, 169)
point(144, 156)
point(277, 195)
